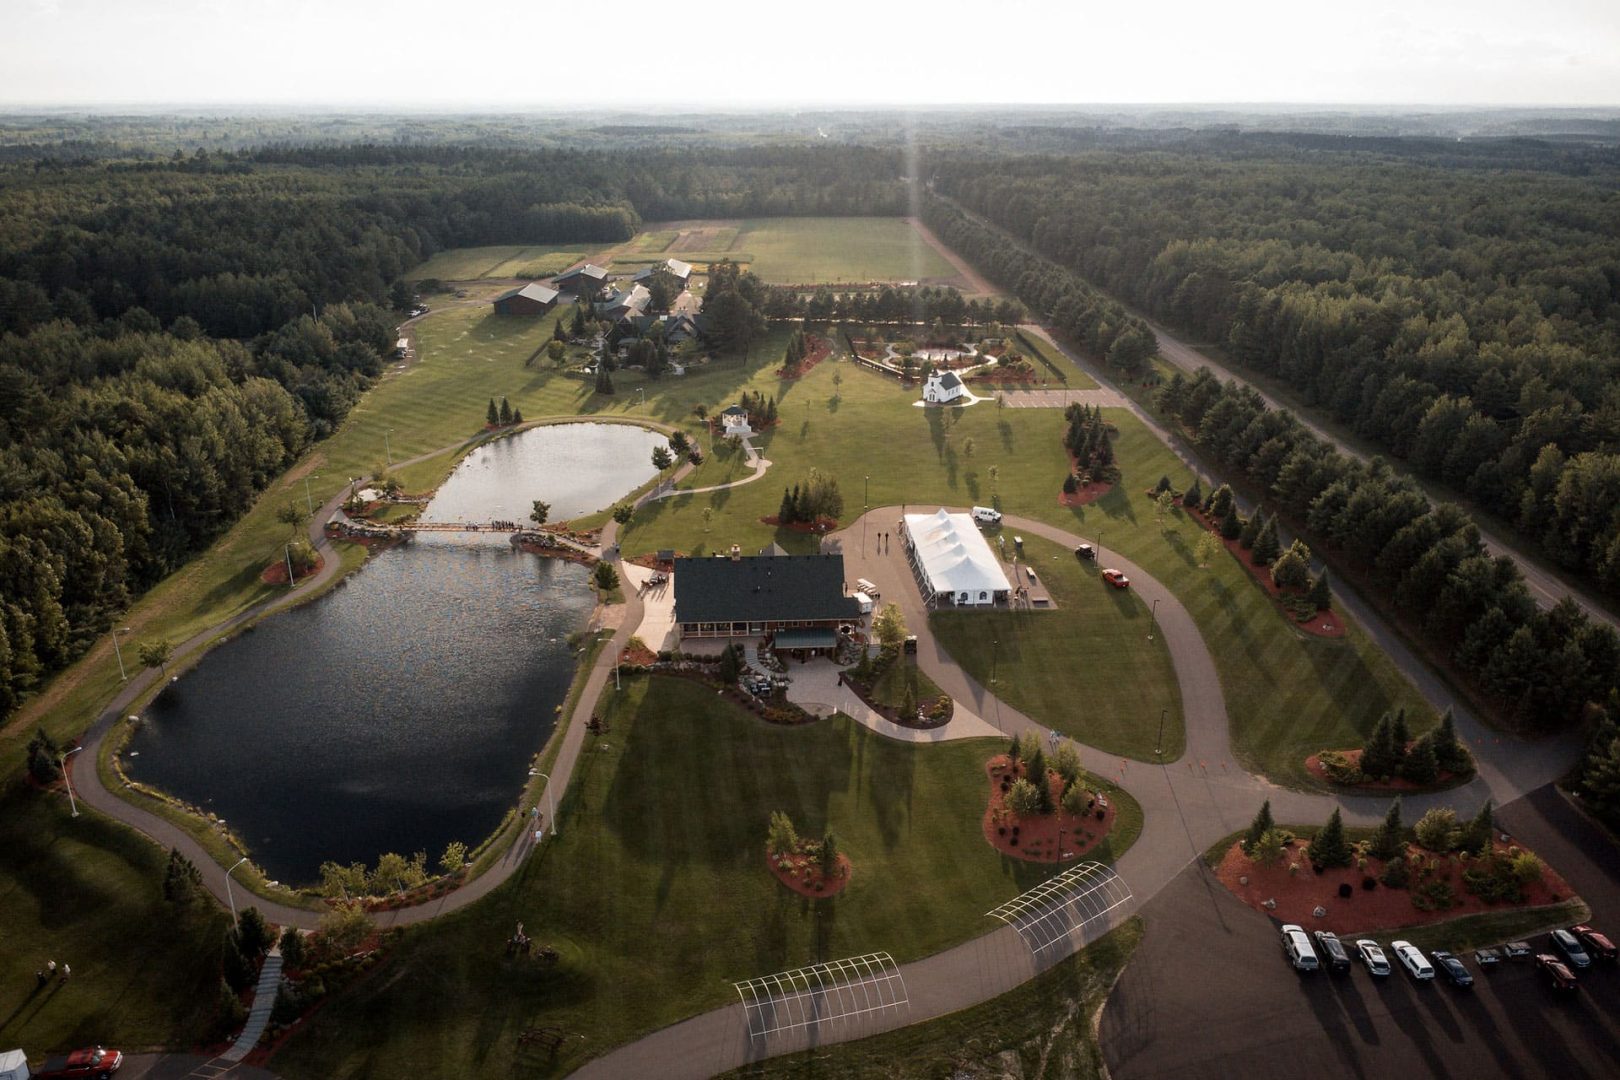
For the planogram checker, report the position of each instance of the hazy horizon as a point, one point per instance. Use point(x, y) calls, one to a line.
point(413, 56)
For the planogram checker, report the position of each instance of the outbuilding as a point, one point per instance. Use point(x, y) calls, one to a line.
point(584, 281)
point(942, 388)
point(531, 300)
point(675, 273)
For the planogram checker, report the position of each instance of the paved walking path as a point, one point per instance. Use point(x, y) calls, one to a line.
point(759, 465)
point(816, 689)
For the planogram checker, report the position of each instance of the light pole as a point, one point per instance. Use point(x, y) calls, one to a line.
point(642, 390)
point(1153, 618)
point(307, 500)
point(290, 582)
point(388, 447)
point(551, 801)
point(866, 491)
point(62, 762)
point(122, 675)
point(993, 649)
point(1158, 745)
point(228, 894)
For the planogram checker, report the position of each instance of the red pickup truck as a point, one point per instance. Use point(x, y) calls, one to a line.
point(95, 1061)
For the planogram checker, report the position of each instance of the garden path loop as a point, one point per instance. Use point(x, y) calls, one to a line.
point(759, 463)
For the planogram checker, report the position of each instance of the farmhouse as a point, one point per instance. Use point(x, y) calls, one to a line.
point(941, 388)
point(953, 562)
point(584, 282)
point(622, 304)
point(734, 423)
point(798, 598)
point(676, 273)
point(533, 299)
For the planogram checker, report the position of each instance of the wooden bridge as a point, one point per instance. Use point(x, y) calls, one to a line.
point(403, 528)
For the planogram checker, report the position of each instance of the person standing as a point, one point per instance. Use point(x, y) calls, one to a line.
point(67, 972)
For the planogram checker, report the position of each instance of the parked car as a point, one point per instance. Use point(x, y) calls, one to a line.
point(1297, 947)
point(1332, 950)
point(1086, 552)
point(1412, 959)
point(1453, 968)
point(1568, 944)
point(1487, 958)
point(1116, 579)
point(1558, 976)
point(93, 1061)
point(1518, 950)
point(1596, 944)
point(1372, 955)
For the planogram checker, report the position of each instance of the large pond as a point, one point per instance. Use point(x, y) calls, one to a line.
point(401, 711)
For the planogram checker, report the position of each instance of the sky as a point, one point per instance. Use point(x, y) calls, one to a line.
point(751, 53)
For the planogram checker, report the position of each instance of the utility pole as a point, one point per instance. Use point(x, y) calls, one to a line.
point(1158, 746)
point(290, 581)
point(307, 501)
point(122, 675)
point(1153, 619)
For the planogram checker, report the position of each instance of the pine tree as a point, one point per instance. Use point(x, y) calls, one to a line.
point(1036, 771)
point(1321, 593)
point(492, 415)
point(1400, 733)
point(1231, 523)
point(1421, 766)
point(1389, 839)
point(1251, 531)
point(1448, 749)
point(1012, 752)
point(1266, 546)
point(1194, 496)
point(784, 515)
point(1476, 837)
point(506, 411)
point(517, 416)
point(829, 857)
point(1600, 776)
point(1379, 758)
point(1330, 848)
point(1261, 825)
point(1220, 501)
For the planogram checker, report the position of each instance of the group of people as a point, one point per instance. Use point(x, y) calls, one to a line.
point(44, 975)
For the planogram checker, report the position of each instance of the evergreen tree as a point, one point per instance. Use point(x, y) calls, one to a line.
point(1266, 546)
point(1448, 748)
point(1389, 839)
point(1012, 752)
point(1194, 496)
point(1251, 530)
point(1600, 775)
point(1220, 501)
point(1321, 593)
point(1231, 523)
point(829, 857)
point(1379, 756)
point(492, 415)
point(1330, 848)
point(1421, 766)
point(1476, 836)
point(784, 514)
point(1400, 734)
point(1035, 769)
point(1261, 824)
point(517, 416)
point(730, 668)
point(604, 381)
point(506, 411)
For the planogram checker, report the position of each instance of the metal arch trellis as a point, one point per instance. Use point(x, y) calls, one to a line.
point(1077, 899)
point(821, 993)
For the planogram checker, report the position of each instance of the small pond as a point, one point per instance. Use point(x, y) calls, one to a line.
point(401, 711)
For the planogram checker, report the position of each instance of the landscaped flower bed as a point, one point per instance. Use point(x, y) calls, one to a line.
point(813, 868)
point(1315, 766)
point(1058, 835)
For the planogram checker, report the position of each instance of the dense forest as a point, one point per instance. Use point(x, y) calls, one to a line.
point(174, 333)
point(1466, 320)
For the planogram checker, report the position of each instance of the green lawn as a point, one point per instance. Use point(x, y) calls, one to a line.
point(657, 895)
point(1050, 363)
point(87, 892)
point(502, 260)
point(1086, 667)
point(1045, 1022)
point(1287, 694)
point(804, 251)
point(890, 686)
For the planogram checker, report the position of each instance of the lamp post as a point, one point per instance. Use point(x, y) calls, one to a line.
point(228, 894)
point(1158, 745)
point(307, 500)
point(642, 390)
point(62, 762)
point(290, 582)
point(1153, 618)
point(993, 649)
point(866, 503)
point(551, 801)
point(123, 676)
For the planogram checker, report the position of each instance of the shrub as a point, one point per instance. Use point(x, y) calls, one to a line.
point(292, 948)
point(1527, 868)
point(1396, 875)
point(1076, 800)
point(1437, 830)
point(1024, 799)
point(781, 838)
point(1369, 883)
point(1434, 895)
point(1492, 880)
point(253, 935)
point(231, 1013)
point(1339, 768)
point(1066, 762)
point(1268, 847)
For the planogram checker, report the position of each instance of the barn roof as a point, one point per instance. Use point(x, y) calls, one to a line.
point(674, 267)
point(532, 291)
point(762, 588)
point(589, 270)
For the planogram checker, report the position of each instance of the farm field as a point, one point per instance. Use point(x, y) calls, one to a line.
point(504, 261)
point(657, 896)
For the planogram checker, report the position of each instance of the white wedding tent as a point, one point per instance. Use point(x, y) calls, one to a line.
point(953, 562)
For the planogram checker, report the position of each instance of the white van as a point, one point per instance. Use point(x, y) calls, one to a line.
point(1297, 947)
point(864, 601)
point(984, 515)
point(13, 1065)
point(871, 590)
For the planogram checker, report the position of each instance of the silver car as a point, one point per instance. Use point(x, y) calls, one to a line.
point(1372, 955)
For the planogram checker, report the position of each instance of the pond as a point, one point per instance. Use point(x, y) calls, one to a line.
point(401, 711)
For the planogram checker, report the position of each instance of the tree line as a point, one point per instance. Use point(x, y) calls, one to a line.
point(1466, 320)
point(1540, 668)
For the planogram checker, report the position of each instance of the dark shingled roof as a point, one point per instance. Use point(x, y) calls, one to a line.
point(949, 380)
point(762, 589)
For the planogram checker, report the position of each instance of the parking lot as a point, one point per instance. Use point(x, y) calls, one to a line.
point(1060, 399)
point(1209, 992)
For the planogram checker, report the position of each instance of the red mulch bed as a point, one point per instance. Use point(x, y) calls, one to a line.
point(820, 526)
point(276, 573)
point(1383, 908)
point(1085, 493)
point(1037, 839)
point(1322, 624)
point(1313, 765)
point(892, 714)
point(820, 349)
point(638, 656)
point(811, 867)
point(651, 562)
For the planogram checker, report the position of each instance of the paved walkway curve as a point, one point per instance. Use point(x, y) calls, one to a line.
point(88, 786)
point(754, 459)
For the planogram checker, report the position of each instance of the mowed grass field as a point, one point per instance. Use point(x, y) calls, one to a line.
point(1087, 664)
point(503, 261)
point(1288, 694)
point(657, 895)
